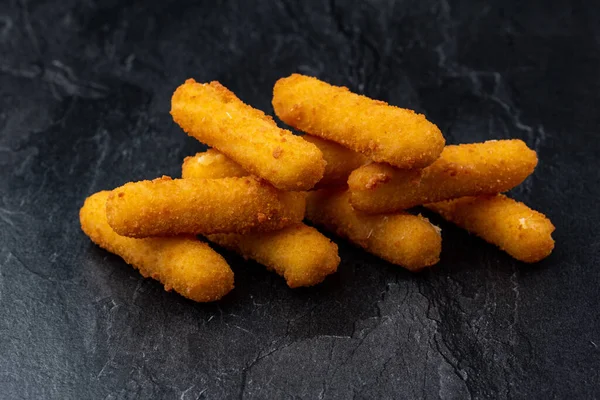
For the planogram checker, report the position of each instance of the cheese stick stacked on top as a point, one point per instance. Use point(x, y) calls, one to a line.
point(256, 209)
point(361, 164)
point(410, 166)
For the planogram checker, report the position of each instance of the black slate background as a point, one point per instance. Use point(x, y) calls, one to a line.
point(84, 99)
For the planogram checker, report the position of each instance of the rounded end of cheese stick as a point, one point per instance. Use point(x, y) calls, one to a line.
point(183, 263)
point(523, 233)
point(408, 240)
point(299, 253)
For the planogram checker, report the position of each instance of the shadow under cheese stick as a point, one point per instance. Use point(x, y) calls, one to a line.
point(167, 207)
point(299, 253)
point(182, 263)
point(462, 170)
point(523, 233)
point(403, 239)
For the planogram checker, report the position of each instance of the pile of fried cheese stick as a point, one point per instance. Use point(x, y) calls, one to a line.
point(360, 165)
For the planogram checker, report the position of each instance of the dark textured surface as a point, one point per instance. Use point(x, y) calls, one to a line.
point(84, 99)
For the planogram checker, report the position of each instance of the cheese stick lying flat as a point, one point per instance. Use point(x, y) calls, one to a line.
point(523, 233)
point(183, 264)
point(382, 132)
point(167, 207)
point(463, 170)
point(299, 253)
point(214, 115)
point(404, 239)
point(340, 163)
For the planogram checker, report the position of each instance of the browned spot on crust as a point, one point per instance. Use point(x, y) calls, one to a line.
point(454, 169)
point(121, 194)
point(261, 217)
point(277, 152)
point(376, 179)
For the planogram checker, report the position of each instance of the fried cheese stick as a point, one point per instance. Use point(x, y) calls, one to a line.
point(167, 207)
point(462, 170)
point(214, 115)
point(211, 164)
point(298, 253)
point(184, 264)
point(403, 239)
point(340, 163)
point(382, 132)
point(523, 233)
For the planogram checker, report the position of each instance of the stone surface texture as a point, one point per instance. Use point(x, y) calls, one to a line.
point(85, 92)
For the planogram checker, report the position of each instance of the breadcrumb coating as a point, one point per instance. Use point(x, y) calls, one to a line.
point(403, 239)
point(211, 164)
point(462, 170)
point(340, 162)
point(299, 253)
point(382, 132)
point(523, 233)
point(167, 207)
point(182, 263)
point(215, 116)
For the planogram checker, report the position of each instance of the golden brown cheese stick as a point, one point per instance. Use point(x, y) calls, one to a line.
point(214, 115)
point(211, 164)
point(183, 264)
point(340, 163)
point(167, 207)
point(382, 132)
point(299, 253)
point(463, 170)
point(523, 233)
point(401, 238)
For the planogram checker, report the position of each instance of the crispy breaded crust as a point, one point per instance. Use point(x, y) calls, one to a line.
point(167, 207)
point(211, 164)
point(462, 170)
point(340, 162)
point(404, 239)
point(299, 253)
point(523, 233)
point(215, 116)
point(184, 264)
point(382, 132)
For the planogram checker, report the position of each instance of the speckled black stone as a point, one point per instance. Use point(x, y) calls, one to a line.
point(85, 92)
